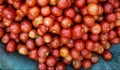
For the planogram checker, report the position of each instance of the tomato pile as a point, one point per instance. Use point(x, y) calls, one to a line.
point(58, 33)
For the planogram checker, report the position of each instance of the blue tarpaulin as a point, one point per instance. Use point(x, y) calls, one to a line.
point(15, 61)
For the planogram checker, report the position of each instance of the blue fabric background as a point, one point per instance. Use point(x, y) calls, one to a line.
point(16, 61)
